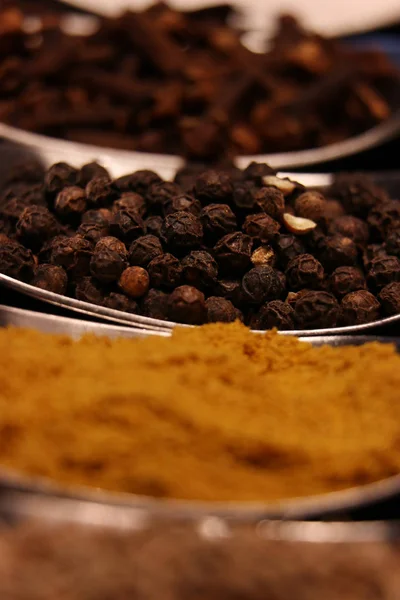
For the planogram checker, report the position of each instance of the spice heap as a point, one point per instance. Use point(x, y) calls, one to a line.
point(213, 413)
point(174, 562)
point(183, 83)
point(215, 245)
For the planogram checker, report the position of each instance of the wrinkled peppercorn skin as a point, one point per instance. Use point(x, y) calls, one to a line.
point(316, 310)
point(220, 310)
point(186, 304)
point(51, 278)
point(261, 227)
point(117, 301)
point(35, 226)
point(274, 314)
point(144, 249)
point(182, 231)
point(217, 220)
point(199, 269)
point(389, 297)
point(304, 271)
point(74, 254)
point(165, 271)
point(155, 304)
point(88, 289)
point(233, 252)
point(16, 261)
point(383, 271)
point(261, 284)
point(213, 186)
point(359, 307)
point(345, 280)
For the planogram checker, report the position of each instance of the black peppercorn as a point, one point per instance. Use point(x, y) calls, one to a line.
point(102, 216)
point(109, 259)
point(182, 231)
point(92, 232)
point(244, 195)
point(130, 201)
point(91, 171)
point(271, 201)
point(389, 297)
point(261, 284)
point(89, 289)
point(220, 310)
point(233, 253)
point(358, 307)
point(70, 203)
point(153, 225)
point(287, 248)
point(35, 226)
point(144, 249)
point(127, 225)
point(371, 252)
point(383, 271)
point(58, 177)
point(213, 186)
point(357, 193)
point(186, 304)
point(134, 281)
point(162, 193)
point(51, 278)
point(256, 171)
point(121, 302)
point(274, 314)
point(347, 279)
point(232, 290)
point(350, 227)
point(155, 305)
point(316, 310)
point(182, 202)
point(383, 219)
point(337, 251)
point(217, 221)
point(73, 253)
point(165, 271)
point(100, 192)
point(139, 182)
point(16, 260)
point(199, 269)
point(392, 244)
point(261, 227)
point(12, 209)
point(310, 205)
point(304, 271)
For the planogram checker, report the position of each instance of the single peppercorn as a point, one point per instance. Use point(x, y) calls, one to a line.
point(383, 219)
point(232, 290)
point(130, 201)
point(337, 251)
point(244, 195)
point(165, 271)
point(70, 203)
point(89, 290)
point(274, 314)
point(310, 205)
point(12, 209)
point(392, 244)
point(153, 225)
point(261, 284)
point(74, 254)
point(217, 221)
point(155, 304)
point(220, 310)
point(233, 252)
point(91, 171)
point(139, 182)
point(144, 249)
point(304, 271)
point(263, 255)
point(271, 201)
point(92, 232)
point(121, 302)
point(358, 307)
point(100, 192)
point(357, 193)
point(288, 247)
point(109, 260)
point(183, 202)
point(134, 281)
point(389, 297)
point(316, 310)
point(255, 172)
point(350, 227)
point(261, 227)
point(50, 278)
point(160, 194)
point(102, 216)
point(186, 304)
point(182, 231)
point(347, 279)
point(213, 186)
point(199, 269)
point(383, 271)
point(127, 225)
point(371, 252)
point(58, 176)
point(35, 226)
point(16, 260)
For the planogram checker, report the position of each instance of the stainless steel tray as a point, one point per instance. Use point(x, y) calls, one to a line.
point(298, 508)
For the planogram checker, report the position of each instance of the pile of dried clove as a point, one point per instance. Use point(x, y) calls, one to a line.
point(184, 83)
point(214, 245)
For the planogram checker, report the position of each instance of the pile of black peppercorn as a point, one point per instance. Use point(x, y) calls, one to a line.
point(213, 245)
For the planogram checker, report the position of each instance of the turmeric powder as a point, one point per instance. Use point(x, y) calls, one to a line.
point(212, 413)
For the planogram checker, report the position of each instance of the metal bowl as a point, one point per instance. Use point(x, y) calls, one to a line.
point(319, 506)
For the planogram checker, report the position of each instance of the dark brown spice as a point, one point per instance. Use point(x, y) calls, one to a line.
point(358, 307)
point(155, 304)
point(274, 314)
point(109, 259)
point(144, 249)
point(383, 271)
point(261, 284)
point(304, 271)
point(186, 304)
point(220, 310)
point(121, 302)
point(51, 278)
point(35, 226)
point(316, 310)
point(199, 269)
point(389, 297)
point(70, 203)
point(347, 279)
point(134, 281)
point(165, 271)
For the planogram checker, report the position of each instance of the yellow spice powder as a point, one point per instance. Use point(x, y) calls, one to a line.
point(212, 413)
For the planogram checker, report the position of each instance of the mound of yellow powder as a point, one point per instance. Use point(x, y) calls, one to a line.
point(212, 413)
